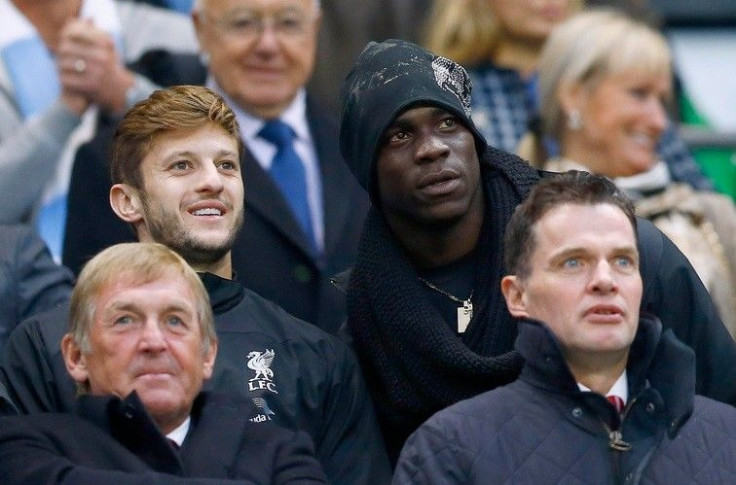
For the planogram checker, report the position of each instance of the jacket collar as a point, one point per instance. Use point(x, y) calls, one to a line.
point(224, 294)
point(128, 422)
point(656, 360)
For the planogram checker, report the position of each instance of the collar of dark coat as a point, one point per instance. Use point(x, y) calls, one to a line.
point(130, 425)
point(657, 360)
point(224, 293)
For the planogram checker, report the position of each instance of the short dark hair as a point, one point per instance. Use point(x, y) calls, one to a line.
point(573, 187)
point(165, 110)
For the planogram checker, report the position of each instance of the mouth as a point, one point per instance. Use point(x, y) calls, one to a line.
point(605, 314)
point(208, 209)
point(439, 183)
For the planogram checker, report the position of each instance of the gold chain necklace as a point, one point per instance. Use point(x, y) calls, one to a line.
point(464, 311)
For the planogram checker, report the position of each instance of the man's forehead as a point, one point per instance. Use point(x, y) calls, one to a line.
point(583, 217)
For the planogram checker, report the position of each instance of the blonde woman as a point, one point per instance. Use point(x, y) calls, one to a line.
point(603, 82)
point(499, 42)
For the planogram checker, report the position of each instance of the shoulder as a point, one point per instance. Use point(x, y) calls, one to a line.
point(257, 314)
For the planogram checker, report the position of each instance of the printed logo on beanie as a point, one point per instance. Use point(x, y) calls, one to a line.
point(452, 77)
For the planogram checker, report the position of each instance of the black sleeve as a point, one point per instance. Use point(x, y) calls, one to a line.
point(295, 463)
point(33, 369)
point(674, 293)
point(352, 448)
point(38, 282)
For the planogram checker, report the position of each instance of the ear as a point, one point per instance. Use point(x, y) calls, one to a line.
point(74, 359)
point(513, 291)
point(126, 202)
point(572, 97)
point(198, 22)
point(209, 360)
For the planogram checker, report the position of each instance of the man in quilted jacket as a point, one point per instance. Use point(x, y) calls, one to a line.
point(605, 395)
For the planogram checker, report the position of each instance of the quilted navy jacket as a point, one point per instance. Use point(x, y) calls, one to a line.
point(542, 429)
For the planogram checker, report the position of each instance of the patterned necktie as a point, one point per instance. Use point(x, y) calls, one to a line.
point(617, 402)
point(287, 170)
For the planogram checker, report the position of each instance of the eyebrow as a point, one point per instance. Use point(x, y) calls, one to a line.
point(175, 307)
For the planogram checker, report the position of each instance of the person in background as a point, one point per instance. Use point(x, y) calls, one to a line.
point(30, 281)
point(606, 394)
point(425, 313)
point(303, 209)
point(61, 63)
point(141, 342)
point(499, 42)
point(176, 167)
point(603, 81)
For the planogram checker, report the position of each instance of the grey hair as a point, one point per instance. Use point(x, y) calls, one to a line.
point(198, 5)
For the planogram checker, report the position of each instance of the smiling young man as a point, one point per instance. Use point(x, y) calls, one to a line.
point(425, 313)
point(140, 345)
point(304, 210)
point(177, 180)
point(606, 395)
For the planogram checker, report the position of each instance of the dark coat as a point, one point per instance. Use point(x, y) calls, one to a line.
point(109, 440)
point(316, 384)
point(415, 365)
point(270, 255)
point(542, 429)
point(30, 280)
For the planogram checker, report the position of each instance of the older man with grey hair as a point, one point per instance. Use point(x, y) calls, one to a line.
point(141, 343)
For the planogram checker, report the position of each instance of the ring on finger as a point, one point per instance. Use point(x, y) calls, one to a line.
point(80, 65)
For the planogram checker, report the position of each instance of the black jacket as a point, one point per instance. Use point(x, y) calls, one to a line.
point(271, 255)
point(315, 385)
point(542, 429)
point(30, 280)
point(109, 440)
point(415, 365)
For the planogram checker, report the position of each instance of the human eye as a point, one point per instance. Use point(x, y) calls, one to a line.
point(228, 166)
point(290, 24)
point(572, 263)
point(625, 263)
point(448, 122)
point(123, 320)
point(176, 324)
point(244, 24)
point(180, 165)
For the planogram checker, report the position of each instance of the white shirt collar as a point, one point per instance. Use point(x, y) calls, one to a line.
point(620, 388)
point(178, 435)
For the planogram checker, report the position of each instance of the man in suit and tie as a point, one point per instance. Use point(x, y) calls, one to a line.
point(141, 343)
point(303, 209)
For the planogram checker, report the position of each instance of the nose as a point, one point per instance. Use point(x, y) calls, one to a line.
point(657, 116)
point(430, 147)
point(211, 180)
point(603, 279)
point(152, 337)
point(268, 37)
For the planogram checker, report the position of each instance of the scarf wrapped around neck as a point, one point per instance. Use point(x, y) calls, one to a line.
point(413, 363)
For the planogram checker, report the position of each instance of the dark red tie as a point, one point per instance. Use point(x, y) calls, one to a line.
point(617, 402)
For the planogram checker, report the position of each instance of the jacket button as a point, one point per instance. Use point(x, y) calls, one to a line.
point(577, 412)
point(651, 407)
point(302, 274)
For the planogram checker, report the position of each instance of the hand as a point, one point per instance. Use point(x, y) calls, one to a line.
point(90, 68)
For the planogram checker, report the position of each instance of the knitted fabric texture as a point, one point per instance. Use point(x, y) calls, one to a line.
point(413, 362)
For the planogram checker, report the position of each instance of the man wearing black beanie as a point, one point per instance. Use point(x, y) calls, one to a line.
point(425, 311)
